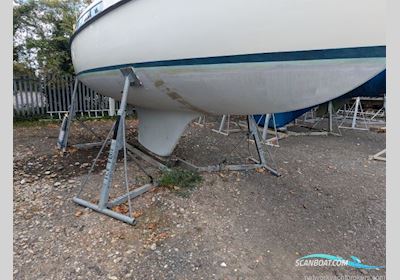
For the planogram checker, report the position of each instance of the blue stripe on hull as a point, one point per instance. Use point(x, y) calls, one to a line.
point(341, 53)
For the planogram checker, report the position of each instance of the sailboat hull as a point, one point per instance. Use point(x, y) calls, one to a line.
point(195, 57)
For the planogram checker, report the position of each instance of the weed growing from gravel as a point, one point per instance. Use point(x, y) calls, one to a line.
point(180, 180)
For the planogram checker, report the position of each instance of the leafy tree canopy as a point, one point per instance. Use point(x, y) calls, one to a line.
point(42, 29)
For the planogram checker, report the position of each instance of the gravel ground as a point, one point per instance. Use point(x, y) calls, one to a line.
point(234, 225)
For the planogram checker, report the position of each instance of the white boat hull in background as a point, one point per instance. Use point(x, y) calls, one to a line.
point(229, 57)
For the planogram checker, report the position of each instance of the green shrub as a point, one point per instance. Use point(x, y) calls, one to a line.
point(180, 180)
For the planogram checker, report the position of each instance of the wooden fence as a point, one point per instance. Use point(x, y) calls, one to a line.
point(50, 96)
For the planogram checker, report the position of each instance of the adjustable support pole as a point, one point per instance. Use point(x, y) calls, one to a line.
point(118, 142)
point(330, 114)
point(265, 128)
point(62, 142)
point(257, 141)
point(253, 130)
point(115, 147)
point(353, 123)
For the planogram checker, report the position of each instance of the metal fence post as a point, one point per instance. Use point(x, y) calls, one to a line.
point(111, 107)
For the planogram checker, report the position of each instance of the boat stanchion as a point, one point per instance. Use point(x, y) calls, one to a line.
point(358, 116)
point(226, 119)
point(62, 142)
point(201, 121)
point(253, 130)
point(315, 130)
point(274, 141)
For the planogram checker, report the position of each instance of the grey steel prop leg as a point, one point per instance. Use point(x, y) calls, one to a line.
point(115, 147)
point(221, 127)
point(254, 133)
point(265, 131)
point(353, 123)
point(330, 114)
point(118, 142)
point(62, 142)
point(265, 128)
point(253, 130)
point(222, 123)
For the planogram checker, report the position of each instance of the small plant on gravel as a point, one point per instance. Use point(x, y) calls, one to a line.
point(180, 180)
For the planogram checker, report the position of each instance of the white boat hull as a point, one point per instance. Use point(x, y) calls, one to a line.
point(243, 88)
point(201, 57)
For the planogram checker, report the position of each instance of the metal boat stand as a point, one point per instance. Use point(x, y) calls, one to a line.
point(332, 124)
point(201, 121)
point(358, 114)
point(307, 117)
point(63, 136)
point(226, 119)
point(117, 139)
point(381, 113)
point(379, 156)
point(258, 163)
point(273, 141)
point(377, 117)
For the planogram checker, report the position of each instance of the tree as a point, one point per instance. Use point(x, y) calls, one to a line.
point(23, 26)
point(42, 30)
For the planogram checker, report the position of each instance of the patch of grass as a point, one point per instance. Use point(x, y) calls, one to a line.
point(180, 180)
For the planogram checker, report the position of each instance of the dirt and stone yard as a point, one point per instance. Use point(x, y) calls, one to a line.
point(234, 225)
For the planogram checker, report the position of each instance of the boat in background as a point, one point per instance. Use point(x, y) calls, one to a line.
point(375, 87)
point(226, 57)
point(281, 119)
